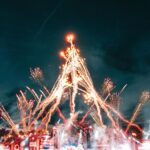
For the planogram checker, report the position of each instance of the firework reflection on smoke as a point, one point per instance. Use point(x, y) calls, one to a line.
point(2, 147)
point(147, 134)
point(108, 138)
point(71, 135)
point(25, 142)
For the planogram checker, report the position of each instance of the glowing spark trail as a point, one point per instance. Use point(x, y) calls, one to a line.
point(143, 99)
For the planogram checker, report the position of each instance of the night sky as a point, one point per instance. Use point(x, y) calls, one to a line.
point(113, 36)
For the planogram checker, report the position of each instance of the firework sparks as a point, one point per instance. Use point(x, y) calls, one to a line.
point(74, 77)
point(37, 75)
point(145, 97)
point(5, 116)
point(107, 87)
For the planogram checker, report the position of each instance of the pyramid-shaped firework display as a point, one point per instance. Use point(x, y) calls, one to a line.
point(35, 131)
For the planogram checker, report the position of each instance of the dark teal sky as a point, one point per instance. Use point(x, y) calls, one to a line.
point(113, 36)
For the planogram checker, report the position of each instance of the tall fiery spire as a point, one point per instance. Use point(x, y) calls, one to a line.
point(74, 77)
point(145, 97)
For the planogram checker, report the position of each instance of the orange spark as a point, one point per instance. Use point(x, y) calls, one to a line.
point(70, 38)
point(62, 54)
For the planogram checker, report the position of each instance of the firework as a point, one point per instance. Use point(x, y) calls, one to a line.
point(107, 87)
point(37, 75)
point(36, 112)
point(76, 77)
point(145, 97)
